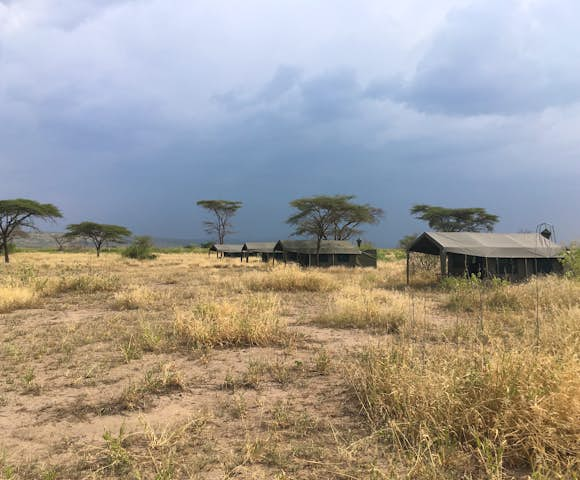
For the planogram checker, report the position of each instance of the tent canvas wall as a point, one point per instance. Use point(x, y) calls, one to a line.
point(227, 250)
point(514, 256)
point(267, 250)
point(332, 252)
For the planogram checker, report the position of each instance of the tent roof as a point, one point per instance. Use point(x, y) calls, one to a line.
point(495, 245)
point(309, 246)
point(227, 247)
point(259, 247)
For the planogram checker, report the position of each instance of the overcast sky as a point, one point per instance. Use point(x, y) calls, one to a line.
point(129, 111)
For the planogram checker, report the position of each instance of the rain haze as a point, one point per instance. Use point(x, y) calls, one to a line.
point(128, 112)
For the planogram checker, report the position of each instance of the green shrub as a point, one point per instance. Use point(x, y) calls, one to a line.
point(140, 249)
point(571, 261)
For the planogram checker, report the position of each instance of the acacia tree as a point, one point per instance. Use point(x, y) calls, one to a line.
point(408, 240)
point(21, 213)
point(336, 216)
point(347, 216)
point(443, 219)
point(98, 233)
point(223, 212)
point(60, 239)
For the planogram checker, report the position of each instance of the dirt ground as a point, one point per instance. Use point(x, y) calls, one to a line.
point(190, 367)
point(77, 400)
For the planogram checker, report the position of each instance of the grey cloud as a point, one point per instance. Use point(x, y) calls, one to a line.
point(493, 57)
point(63, 14)
point(132, 123)
point(285, 78)
point(331, 96)
point(381, 89)
point(323, 97)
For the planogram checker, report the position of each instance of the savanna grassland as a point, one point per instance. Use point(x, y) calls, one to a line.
point(190, 367)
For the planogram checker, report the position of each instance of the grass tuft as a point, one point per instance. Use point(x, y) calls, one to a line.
point(14, 298)
point(252, 320)
point(89, 283)
point(135, 297)
point(517, 408)
point(549, 292)
point(290, 279)
point(355, 307)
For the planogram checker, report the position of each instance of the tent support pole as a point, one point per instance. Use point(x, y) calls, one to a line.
point(486, 267)
point(443, 259)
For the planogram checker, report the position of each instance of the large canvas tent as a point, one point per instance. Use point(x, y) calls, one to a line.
point(227, 250)
point(332, 252)
point(514, 255)
point(267, 250)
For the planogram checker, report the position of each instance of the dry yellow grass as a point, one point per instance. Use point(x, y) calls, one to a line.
point(135, 297)
point(13, 298)
point(250, 320)
point(132, 349)
point(290, 279)
point(356, 307)
point(515, 409)
point(549, 292)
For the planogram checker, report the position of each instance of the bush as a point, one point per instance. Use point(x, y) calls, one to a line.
point(571, 261)
point(140, 249)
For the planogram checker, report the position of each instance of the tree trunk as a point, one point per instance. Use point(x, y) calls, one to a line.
point(5, 248)
point(98, 251)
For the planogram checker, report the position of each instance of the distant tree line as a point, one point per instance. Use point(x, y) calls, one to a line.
point(321, 217)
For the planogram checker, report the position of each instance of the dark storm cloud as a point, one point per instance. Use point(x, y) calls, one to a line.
point(130, 112)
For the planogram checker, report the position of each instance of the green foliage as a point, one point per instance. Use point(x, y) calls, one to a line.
point(98, 233)
point(407, 241)
point(119, 459)
point(571, 261)
point(21, 213)
point(331, 217)
point(140, 249)
point(223, 211)
point(443, 219)
point(390, 254)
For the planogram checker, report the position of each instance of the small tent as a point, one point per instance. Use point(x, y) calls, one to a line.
point(227, 250)
point(331, 253)
point(267, 250)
